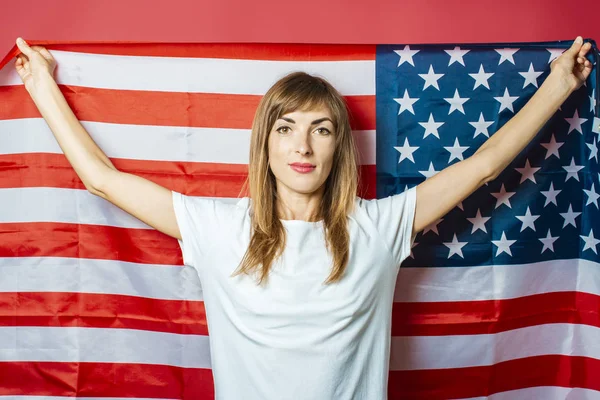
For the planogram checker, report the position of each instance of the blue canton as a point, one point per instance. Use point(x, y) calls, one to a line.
point(437, 104)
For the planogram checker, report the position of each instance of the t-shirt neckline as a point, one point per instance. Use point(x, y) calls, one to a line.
point(300, 222)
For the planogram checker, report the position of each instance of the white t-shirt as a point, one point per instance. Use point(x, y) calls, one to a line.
point(297, 338)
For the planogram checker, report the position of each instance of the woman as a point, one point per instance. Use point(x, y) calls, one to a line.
point(298, 280)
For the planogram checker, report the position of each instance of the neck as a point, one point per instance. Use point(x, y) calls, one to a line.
point(292, 205)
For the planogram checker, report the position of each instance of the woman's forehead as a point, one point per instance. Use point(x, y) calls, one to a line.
point(313, 112)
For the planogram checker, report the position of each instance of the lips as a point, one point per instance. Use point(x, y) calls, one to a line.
point(303, 167)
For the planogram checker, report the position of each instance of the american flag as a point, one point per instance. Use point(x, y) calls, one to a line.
point(499, 298)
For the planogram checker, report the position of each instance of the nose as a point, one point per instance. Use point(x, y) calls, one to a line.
point(302, 144)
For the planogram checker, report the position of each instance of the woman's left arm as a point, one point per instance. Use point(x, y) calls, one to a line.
point(437, 195)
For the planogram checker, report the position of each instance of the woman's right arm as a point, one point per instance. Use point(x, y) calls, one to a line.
point(145, 200)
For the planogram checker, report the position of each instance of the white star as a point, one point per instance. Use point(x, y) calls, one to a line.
point(431, 127)
point(481, 126)
point(548, 242)
point(506, 55)
point(552, 147)
point(503, 197)
point(596, 125)
point(433, 227)
point(551, 195)
point(478, 222)
point(456, 102)
point(415, 243)
point(527, 172)
point(575, 122)
point(554, 53)
point(406, 151)
point(590, 242)
point(456, 151)
point(430, 172)
point(572, 170)
point(570, 216)
point(506, 101)
point(431, 78)
point(527, 220)
point(530, 76)
point(456, 55)
point(593, 101)
point(503, 245)
point(455, 247)
point(406, 103)
point(593, 149)
point(481, 78)
point(406, 55)
point(592, 196)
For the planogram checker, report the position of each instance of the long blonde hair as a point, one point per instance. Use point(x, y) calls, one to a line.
point(299, 91)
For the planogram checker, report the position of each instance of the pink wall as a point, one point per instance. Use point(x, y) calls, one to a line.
point(308, 21)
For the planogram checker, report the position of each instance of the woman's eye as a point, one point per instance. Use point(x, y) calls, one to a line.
point(323, 131)
point(283, 129)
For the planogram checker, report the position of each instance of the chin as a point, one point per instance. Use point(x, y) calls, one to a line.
point(296, 185)
point(304, 189)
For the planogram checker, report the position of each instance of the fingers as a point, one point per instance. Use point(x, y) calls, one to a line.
point(24, 47)
point(584, 49)
point(44, 52)
point(22, 61)
point(582, 61)
point(22, 67)
point(575, 47)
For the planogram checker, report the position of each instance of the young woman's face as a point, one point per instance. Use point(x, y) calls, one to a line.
point(301, 147)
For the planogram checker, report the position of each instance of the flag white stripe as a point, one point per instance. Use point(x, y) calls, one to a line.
point(197, 75)
point(74, 344)
point(492, 282)
point(424, 352)
point(81, 275)
point(71, 206)
point(69, 344)
point(543, 392)
point(62, 206)
point(151, 142)
point(56, 274)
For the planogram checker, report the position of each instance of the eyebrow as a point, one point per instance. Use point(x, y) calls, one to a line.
point(315, 122)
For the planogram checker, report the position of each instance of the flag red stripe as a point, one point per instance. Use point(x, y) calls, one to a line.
point(453, 383)
point(104, 380)
point(137, 107)
point(191, 178)
point(160, 381)
point(97, 310)
point(492, 316)
point(188, 317)
point(54, 239)
point(241, 51)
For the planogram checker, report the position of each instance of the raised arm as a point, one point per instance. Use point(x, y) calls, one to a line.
point(145, 200)
point(437, 195)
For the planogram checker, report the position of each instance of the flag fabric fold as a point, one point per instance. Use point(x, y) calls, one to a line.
point(499, 298)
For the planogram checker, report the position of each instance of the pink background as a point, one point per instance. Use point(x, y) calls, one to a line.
point(308, 21)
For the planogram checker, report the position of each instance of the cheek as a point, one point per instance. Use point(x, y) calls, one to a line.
point(272, 149)
point(276, 154)
point(328, 154)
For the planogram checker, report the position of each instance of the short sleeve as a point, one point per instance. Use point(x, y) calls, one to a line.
point(393, 218)
point(196, 219)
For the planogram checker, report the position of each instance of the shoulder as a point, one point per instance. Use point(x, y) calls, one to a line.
point(207, 207)
point(397, 202)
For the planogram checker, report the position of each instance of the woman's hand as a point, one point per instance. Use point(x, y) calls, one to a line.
point(34, 65)
point(571, 67)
